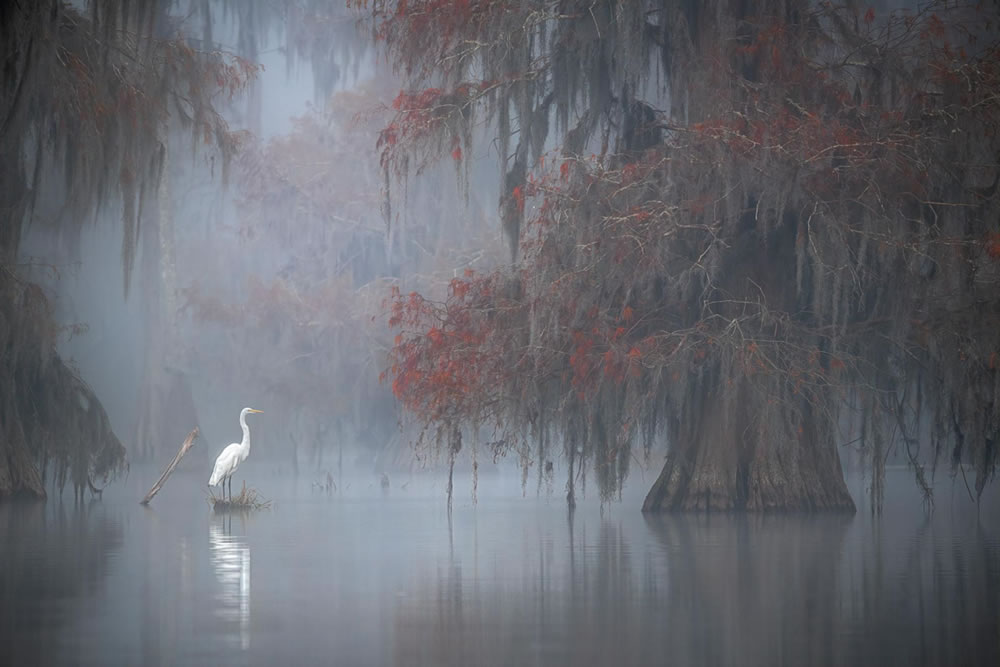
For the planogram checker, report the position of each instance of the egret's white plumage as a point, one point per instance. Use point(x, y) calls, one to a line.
point(232, 456)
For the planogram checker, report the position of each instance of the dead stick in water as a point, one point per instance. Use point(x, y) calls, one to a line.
point(188, 441)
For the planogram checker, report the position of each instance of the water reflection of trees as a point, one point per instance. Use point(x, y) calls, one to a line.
point(587, 607)
point(49, 555)
point(925, 593)
point(760, 590)
point(806, 589)
point(751, 590)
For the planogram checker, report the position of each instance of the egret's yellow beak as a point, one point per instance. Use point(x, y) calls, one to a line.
point(260, 411)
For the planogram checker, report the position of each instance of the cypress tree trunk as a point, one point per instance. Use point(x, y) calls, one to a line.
point(754, 457)
point(166, 405)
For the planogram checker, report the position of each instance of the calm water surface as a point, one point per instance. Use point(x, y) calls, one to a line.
point(373, 580)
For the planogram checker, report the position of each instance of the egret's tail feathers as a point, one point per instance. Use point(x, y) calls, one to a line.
point(214, 479)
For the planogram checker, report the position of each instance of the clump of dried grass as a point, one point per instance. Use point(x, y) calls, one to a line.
point(247, 499)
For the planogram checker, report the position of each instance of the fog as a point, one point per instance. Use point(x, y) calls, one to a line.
point(576, 333)
point(372, 577)
point(230, 340)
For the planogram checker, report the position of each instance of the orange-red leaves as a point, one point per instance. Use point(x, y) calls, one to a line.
point(639, 214)
point(459, 288)
point(993, 245)
point(440, 364)
point(630, 173)
point(518, 195)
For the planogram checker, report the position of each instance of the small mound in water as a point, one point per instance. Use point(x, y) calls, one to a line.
point(247, 499)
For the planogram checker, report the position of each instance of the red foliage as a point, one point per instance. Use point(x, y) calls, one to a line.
point(993, 245)
point(440, 363)
point(423, 32)
point(422, 117)
point(641, 227)
point(518, 195)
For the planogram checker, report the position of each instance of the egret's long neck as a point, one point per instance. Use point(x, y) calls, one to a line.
point(245, 445)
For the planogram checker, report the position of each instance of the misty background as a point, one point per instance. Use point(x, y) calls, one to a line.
point(662, 263)
point(266, 285)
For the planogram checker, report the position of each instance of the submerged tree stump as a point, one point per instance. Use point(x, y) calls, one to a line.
point(185, 446)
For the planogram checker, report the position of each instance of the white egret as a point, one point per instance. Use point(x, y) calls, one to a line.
point(232, 456)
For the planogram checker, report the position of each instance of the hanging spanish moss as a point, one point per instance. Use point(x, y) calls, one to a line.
point(87, 98)
point(764, 226)
point(53, 427)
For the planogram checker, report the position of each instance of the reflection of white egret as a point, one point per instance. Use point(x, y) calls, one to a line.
point(232, 456)
point(231, 558)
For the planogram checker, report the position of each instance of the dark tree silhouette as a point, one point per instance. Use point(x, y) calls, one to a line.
point(86, 101)
point(754, 231)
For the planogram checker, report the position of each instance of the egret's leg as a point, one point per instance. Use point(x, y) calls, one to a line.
point(230, 489)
